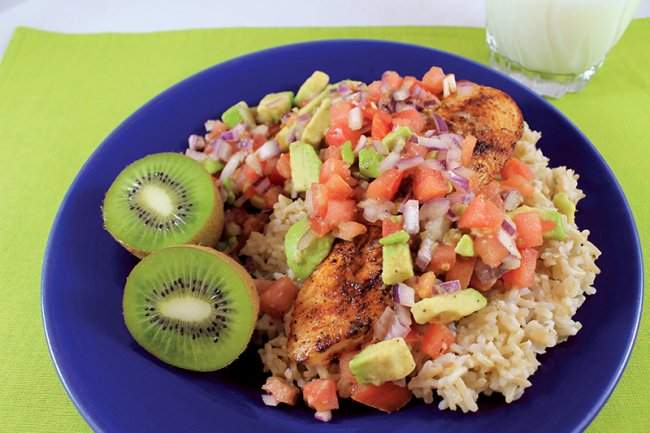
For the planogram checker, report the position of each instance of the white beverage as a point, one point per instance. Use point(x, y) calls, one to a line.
point(564, 37)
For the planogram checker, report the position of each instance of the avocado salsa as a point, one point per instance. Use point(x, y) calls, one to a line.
point(364, 155)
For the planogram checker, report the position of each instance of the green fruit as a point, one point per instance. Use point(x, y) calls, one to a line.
point(161, 200)
point(191, 307)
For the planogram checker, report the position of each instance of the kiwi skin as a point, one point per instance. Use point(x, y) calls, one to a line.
point(252, 291)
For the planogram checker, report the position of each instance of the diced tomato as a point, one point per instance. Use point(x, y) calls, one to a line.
point(514, 166)
point(393, 79)
point(339, 114)
point(381, 125)
point(462, 271)
point(337, 188)
point(412, 339)
point(271, 196)
point(433, 80)
point(339, 131)
point(429, 184)
point(443, 258)
point(548, 225)
point(391, 224)
point(477, 284)
point(319, 199)
point(335, 137)
point(374, 91)
point(520, 183)
point(336, 166)
point(437, 340)
point(331, 152)
point(278, 297)
point(412, 150)
point(482, 214)
point(411, 118)
point(387, 397)
point(350, 229)
point(424, 285)
point(386, 185)
point(320, 395)
point(346, 378)
point(218, 128)
point(250, 175)
point(249, 191)
point(492, 190)
point(339, 211)
point(283, 391)
point(524, 275)
point(283, 166)
point(320, 227)
point(529, 229)
point(467, 149)
point(490, 250)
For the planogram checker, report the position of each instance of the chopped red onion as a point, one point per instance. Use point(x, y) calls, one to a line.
point(441, 126)
point(221, 149)
point(374, 210)
point(425, 252)
point(510, 263)
point(411, 211)
point(254, 163)
point(269, 400)
point(511, 199)
point(451, 215)
point(485, 274)
point(508, 242)
point(240, 201)
point(405, 164)
point(209, 125)
point(303, 119)
point(430, 133)
point(245, 144)
point(453, 158)
point(419, 92)
point(223, 194)
point(262, 185)
point(196, 142)
point(380, 147)
point(195, 155)
point(360, 144)
point(434, 209)
point(268, 150)
point(400, 383)
point(306, 240)
point(355, 119)
point(401, 94)
point(449, 287)
point(324, 416)
point(457, 180)
point(509, 226)
point(231, 165)
point(436, 229)
point(389, 326)
point(404, 315)
point(434, 143)
point(413, 139)
point(389, 162)
point(461, 197)
point(403, 295)
point(292, 135)
point(465, 89)
point(260, 130)
point(309, 202)
point(433, 164)
point(343, 89)
point(231, 135)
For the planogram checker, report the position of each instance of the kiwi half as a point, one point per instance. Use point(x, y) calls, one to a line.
point(191, 307)
point(161, 200)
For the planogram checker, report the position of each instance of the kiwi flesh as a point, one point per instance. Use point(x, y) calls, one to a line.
point(191, 307)
point(161, 200)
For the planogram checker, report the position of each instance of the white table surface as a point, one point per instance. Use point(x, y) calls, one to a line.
point(92, 16)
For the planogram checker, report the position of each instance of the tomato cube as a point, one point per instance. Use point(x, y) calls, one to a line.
point(278, 297)
point(381, 125)
point(490, 250)
point(320, 395)
point(514, 166)
point(482, 214)
point(429, 184)
point(443, 258)
point(386, 185)
point(411, 118)
point(339, 211)
point(529, 229)
point(387, 397)
point(433, 80)
point(437, 340)
point(524, 275)
point(462, 271)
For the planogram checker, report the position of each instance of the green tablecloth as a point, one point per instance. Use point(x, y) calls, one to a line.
point(61, 95)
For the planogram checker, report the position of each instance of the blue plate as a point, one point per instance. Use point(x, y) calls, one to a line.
point(118, 387)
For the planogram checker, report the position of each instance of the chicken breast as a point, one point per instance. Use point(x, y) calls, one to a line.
point(492, 117)
point(339, 303)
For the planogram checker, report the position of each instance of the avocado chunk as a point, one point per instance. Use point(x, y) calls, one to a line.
point(312, 86)
point(448, 307)
point(401, 133)
point(369, 160)
point(565, 206)
point(558, 232)
point(230, 192)
point(397, 263)
point(317, 125)
point(383, 362)
point(313, 250)
point(399, 237)
point(273, 106)
point(347, 153)
point(465, 246)
point(305, 165)
point(212, 166)
point(238, 113)
point(312, 105)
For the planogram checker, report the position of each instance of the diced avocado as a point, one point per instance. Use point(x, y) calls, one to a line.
point(212, 166)
point(230, 198)
point(397, 263)
point(240, 112)
point(465, 246)
point(305, 165)
point(383, 362)
point(273, 106)
point(399, 237)
point(282, 135)
point(315, 103)
point(369, 160)
point(401, 133)
point(258, 201)
point(303, 262)
point(315, 129)
point(448, 307)
point(565, 206)
point(347, 153)
point(558, 232)
point(312, 86)
point(432, 155)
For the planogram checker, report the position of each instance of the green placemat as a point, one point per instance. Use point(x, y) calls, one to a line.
point(61, 95)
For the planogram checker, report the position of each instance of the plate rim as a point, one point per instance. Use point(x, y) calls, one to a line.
point(52, 345)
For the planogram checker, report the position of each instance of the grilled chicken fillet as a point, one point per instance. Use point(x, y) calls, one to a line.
point(492, 117)
point(339, 303)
